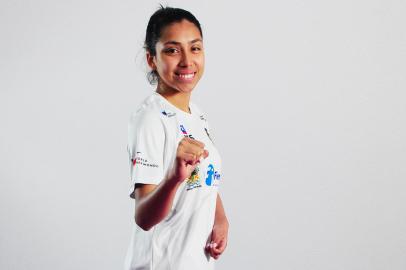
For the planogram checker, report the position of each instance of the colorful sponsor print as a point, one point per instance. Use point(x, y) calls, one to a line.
point(194, 180)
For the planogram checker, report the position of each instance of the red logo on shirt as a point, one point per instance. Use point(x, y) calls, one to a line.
point(182, 128)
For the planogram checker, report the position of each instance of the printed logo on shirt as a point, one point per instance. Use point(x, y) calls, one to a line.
point(194, 180)
point(133, 160)
point(184, 132)
point(168, 114)
point(143, 162)
point(203, 118)
point(213, 176)
point(182, 128)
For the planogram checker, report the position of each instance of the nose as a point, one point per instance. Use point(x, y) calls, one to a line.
point(186, 59)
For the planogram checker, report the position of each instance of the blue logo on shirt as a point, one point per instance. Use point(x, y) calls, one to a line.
point(212, 175)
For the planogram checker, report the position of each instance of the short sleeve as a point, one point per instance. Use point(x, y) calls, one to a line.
point(146, 140)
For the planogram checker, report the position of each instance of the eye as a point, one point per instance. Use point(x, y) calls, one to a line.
point(196, 49)
point(171, 50)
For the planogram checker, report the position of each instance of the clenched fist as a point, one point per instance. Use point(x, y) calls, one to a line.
point(188, 156)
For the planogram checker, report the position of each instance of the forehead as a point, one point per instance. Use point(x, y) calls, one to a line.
point(183, 32)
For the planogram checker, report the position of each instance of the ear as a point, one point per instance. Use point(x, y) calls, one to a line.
point(151, 61)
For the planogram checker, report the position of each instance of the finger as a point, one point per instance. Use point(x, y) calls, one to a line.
point(199, 153)
point(216, 250)
point(192, 148)
point(189, 158)
point(193, 158)
point(209, 241)
point(196, 142)
point(212, 247)
point(220, 247)
point(209, 249)
point(216, 255)
point(186, 141)
point(205, 153)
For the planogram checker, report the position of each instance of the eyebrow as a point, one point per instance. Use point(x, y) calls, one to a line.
point(177, 43)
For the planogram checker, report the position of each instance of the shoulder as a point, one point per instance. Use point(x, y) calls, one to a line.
point(148, 113)
point(145, 125)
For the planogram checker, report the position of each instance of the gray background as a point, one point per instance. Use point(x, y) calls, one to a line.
point(305, 100)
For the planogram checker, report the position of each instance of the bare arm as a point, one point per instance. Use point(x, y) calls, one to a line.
point(220, 216)
point(154, 202)
point(219, 236)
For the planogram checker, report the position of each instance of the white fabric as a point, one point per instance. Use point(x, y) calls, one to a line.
point(177, 242)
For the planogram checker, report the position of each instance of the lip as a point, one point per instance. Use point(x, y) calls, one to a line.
point(185, 72)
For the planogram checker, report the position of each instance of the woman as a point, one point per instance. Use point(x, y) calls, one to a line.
point(180, 221)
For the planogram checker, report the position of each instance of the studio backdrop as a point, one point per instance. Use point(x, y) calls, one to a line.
point(306, 102)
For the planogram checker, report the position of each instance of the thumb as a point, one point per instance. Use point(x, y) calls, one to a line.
point(205, 153)
point(203, 156)
point(220, 246)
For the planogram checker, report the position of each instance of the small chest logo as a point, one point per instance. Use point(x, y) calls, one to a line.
point(184, 132)
point(168, 114)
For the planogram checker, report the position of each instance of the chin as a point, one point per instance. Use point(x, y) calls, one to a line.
point(185, 88)
point(179, 87)
point(188, 90)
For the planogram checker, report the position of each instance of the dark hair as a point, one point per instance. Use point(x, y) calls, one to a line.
point(163, 17)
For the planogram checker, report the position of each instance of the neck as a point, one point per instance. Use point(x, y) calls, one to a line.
point(179, 99)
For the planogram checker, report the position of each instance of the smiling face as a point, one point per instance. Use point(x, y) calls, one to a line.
point(179, 58)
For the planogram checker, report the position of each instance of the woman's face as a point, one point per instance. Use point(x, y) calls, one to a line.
point(179, 57)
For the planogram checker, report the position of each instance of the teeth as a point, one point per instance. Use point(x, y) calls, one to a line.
point(186, 76)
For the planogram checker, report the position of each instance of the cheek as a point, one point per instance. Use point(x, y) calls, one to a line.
point(167, 67)
point(202, 61)
point(202, 65)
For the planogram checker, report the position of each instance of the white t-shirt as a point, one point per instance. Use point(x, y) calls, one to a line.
point(178, 241)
